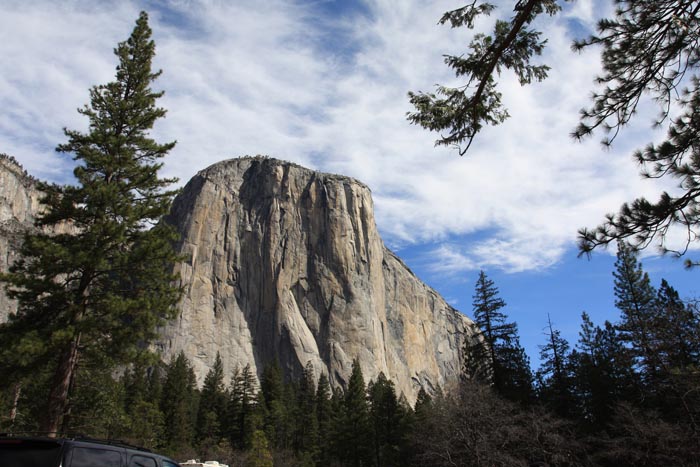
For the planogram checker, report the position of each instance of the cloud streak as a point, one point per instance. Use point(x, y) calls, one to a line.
point(289, 80)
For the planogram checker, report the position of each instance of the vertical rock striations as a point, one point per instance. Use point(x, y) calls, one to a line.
point(19, 204)
point(281, 262)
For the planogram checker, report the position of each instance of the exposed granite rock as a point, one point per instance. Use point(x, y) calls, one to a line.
point(285, 263)
point(19, 203)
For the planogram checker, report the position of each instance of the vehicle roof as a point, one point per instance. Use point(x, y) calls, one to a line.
point(76, 440)
point(81, 441)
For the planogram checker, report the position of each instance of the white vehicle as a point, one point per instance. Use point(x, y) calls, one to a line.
point(196, 463)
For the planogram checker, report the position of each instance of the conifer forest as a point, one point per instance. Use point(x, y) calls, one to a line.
point(624, 394)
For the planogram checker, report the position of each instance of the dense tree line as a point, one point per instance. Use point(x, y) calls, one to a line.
point(301, 422)
point(626, 393)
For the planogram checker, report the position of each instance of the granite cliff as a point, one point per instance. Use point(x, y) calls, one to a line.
point(283, 263)
point(19, 204)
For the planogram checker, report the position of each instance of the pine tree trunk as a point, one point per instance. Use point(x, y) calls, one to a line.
point(17, 392)
point(58, 396)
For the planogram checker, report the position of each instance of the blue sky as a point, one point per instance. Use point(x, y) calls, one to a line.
point(323, 83)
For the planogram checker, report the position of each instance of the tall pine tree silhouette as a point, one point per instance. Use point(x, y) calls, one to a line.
point(496, 356)
point(635, 298)
point(554, 377)
point(103, 285)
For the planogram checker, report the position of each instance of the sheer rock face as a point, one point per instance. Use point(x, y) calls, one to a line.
point(284, 263)
point(19, 203)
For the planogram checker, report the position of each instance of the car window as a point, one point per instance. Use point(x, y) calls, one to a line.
point(142, 461)
point(91, 457)
point(22, 453)
point(169, 464)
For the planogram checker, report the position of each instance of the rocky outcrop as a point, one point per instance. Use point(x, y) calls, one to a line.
point(19, 204)
point(284, 263)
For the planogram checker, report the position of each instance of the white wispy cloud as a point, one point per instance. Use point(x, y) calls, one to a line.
point(279, 78)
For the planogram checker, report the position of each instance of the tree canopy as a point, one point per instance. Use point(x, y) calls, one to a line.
point(94, 278)
point(649, 50)
point(495, 356)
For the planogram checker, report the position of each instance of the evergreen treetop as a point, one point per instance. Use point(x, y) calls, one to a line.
point(459, 113)
point(179, 403)
point(101, 283)
point(678, 329)
point(212, 404)
point(635, 298)
point(554, 375)
point(495, 356)
point(649, 49)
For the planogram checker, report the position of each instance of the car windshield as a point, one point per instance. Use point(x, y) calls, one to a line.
point(24, 453)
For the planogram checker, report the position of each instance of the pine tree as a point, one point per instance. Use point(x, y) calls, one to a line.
point(102, 284)
point(212, 405)
point(135, 383)
point(336, 433)
point(179, 404)
point(241, 407)
point(234, 409)
point(142, 407)
point(351, 423)
point(406, 427)
point(459, 113)
point(602, 372)
point(678, 330)
point(635, 298)
point(648, 49)
point(385, 421)
point(553, 376)
point(517, 381)
point(324, 415)
point(422, 405)
point(276, 406)
point(9, 404)
point(155, 383)
point(307, 415)
point(26, 407)
point(97, 405)
point(272, 383)
point(591, 393)
point(480, 356)
point(618, 362)
point(496, 356)
point(260, 455)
